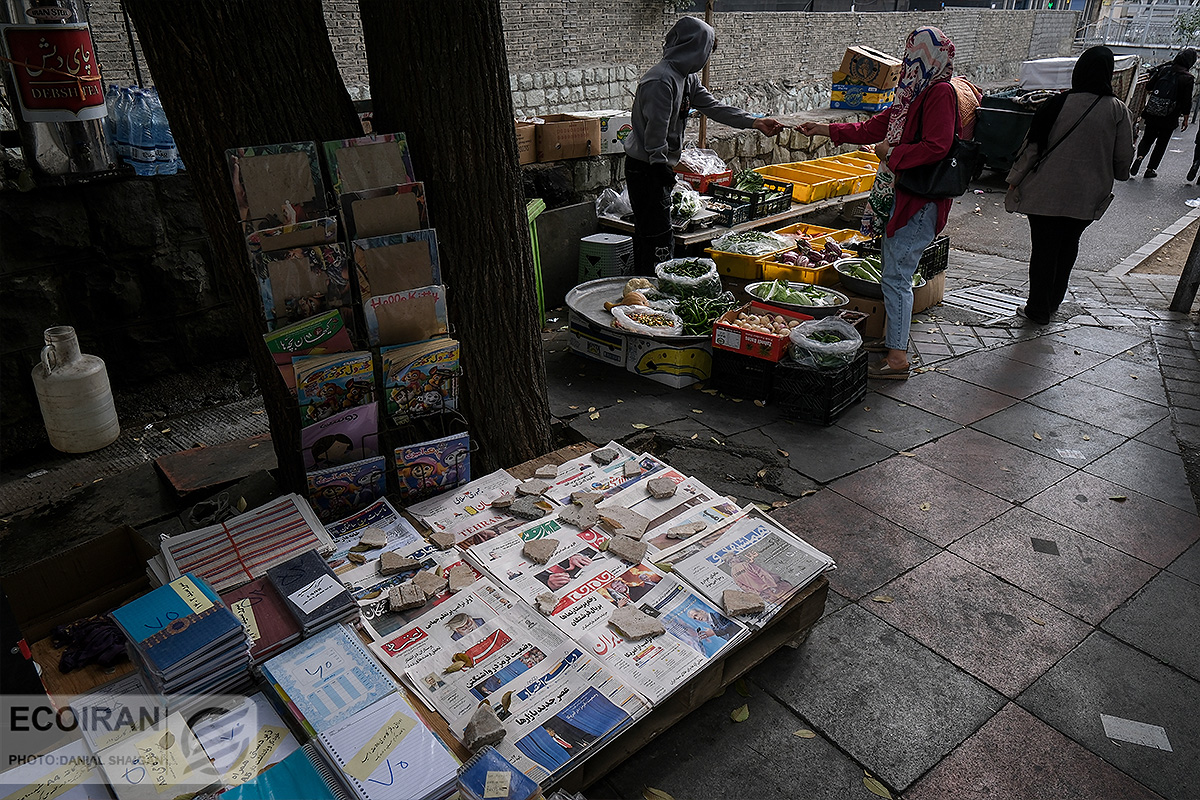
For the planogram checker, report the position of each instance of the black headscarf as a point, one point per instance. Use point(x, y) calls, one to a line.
point(1092, 75)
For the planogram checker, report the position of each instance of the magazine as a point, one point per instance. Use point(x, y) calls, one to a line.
point(388, 209)
point(351, 435)
point(421, 379)
point(301, 282)
point(330, 384)
point(288, 237)
point(396, 262)
point(347, 532)
point(467, 510)
point(433, 467)
point(338, 491)
point(368, 162)
point(324, 333)
point(413, 315)
point(277, 184)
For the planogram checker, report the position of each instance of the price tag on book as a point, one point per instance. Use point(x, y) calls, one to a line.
point(317, 593)
point(190, 593)
point(372, 754)
point(255, 757)
point(496, 784)
point(245, 614)
point(68, 776)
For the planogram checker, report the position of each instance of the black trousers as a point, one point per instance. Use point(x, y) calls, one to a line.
point(1055, 246)
point(650, 195)
point(1156, 133)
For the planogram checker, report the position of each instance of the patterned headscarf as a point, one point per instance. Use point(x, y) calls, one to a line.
point(928, 59)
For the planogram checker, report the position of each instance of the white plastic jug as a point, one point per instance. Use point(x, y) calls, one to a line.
point(74, 395)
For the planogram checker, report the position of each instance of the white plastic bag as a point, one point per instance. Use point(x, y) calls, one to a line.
point(825, 355)
point(701, 162)
point(685, 201)
point(635, 318)
point(611, 204)
point(706, 284)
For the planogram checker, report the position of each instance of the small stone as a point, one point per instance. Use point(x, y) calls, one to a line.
point(532, 488)
point(546, 603)
point(627, 549)
point(373, 538)
point(585, 498)
point(632, 468)
point(527, 508)
point(442, 540)
point(582, 517)
point(685, 531)
point(356, 558)
point(429, 582)
point(503, 501)
point(405, 596)
point(461, 576)
point(624, 521)
point(483, 728)
point(603, 456)
point(548, 471)
point(660, 488)
point(738, 603)
point(391, 562)
point(539, 551)
point(633, 623)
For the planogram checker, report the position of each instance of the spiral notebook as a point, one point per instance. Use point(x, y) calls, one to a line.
point(303, 774)
point(385, 752)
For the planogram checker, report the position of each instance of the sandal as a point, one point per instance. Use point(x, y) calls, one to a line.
point(874, 346)
point(884, 371)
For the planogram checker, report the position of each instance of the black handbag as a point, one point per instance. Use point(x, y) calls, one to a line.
point(949, 177)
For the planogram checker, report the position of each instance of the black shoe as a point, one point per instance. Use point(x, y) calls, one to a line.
point(1035, 320)
point(1192, 172)
point(1137, 164)
point(1151, 174)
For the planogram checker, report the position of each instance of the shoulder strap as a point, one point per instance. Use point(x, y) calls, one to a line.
point(1050, 149)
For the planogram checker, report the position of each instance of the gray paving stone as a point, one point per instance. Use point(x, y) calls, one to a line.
point(1105, 676)
point(868, 687)
point(946, 396)
point(993, 465)
point(1058, 437)
point(1162, 620)
point(726, 472)
point(1188, 565)
point(1161, 436)
point(616, 422)
point(1148, 470)
point(1052, 353)
point(990, 370)
point(1102, 340)
point(1111, 410)
point(824, 454)
point(892, 423)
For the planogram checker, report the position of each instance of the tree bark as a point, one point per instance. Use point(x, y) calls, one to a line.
point(439, 73)
point(236, 73)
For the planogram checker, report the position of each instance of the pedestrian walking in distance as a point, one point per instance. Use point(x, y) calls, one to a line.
point(1168, 97)
point(1078, 143)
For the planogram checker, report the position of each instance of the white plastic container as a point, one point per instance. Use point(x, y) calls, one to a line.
point(74, 395)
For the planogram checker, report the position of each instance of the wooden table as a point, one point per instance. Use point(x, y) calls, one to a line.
point(706, 235)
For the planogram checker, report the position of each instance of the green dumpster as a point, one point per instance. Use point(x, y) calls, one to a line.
point(1000, 133)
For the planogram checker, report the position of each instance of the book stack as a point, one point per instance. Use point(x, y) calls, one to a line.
point(489, 776)
point(186, 642)
point(268, 622)
point(312, 592)
point(243, 739)
point(163, 761)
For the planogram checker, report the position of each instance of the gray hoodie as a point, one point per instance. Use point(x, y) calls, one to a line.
point(670, 89)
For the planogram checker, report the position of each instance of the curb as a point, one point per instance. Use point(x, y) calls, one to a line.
point(1152, 246)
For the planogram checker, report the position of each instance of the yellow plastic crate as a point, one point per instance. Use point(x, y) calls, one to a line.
point(822, 276)
point(807, 230)
point(806, 186)
point(739, 265)
point(855, 177)
point(862, 155)
point(841, 181)
point(869, 169)
point(841, 237)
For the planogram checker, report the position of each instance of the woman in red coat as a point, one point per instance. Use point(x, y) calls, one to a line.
point(918, 128)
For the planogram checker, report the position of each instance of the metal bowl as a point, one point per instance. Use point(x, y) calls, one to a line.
point(861, 287)
point(812, 311)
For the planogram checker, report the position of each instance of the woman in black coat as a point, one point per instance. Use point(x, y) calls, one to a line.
point(1161, 116)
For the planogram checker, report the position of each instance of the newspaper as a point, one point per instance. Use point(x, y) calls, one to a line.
point(715, 514)
point(607, 480)
point(467, 510)
point(346, 533)
point(690, 496)
point(371, 593)
point(753, 554)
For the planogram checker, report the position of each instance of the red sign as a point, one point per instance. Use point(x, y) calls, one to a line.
point(55, 71)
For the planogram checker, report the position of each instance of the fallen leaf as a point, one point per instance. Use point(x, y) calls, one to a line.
point(866, 408)
point(1037, 436)
point(779, 504)
point(507, 699)
point(807, 492)
point(883, 598)
point(1134, 377)
point(924, 506)
point(455, 666)
point(603, 545)
point(251, 447)
point(741, 687)
point(715, 439)
point(1038, 620)
point(875, 787)
point(165, 430)
point(762, 473)
point(655, 794)
point(257, 412)
point(1087, 438)
point(241, 504)
point(805, 733)
point(760, 404)
point(620, 401)
point(591, 408)
point(641, 426)
point(1119, 498)
point(594, 416)
point(874, 430)
point(697, 411)
point(695, 436)
point(907, 454)
point(740, 714)
point(709, 391)
point(572, 406)
point(783, 453)
point(665, 567)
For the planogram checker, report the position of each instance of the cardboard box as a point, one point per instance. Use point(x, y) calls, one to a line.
point(701, 182)
point(873, 327)
point(870, 67)
point(526, 143)
point(567, 136)
point(727, 336)
point(614, 128)
point(90, 578)
point(930, 294)
point(860, 97)
point(673, 365)
point(595, 341)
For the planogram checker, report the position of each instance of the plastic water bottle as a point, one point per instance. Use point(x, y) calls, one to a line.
point(166, 157)
point(123, 105)
point(141, 137)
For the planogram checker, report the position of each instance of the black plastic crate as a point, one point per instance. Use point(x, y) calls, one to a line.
point(742, 376)
point(933, 260)
point(819, 396)
point(736, 214)
point(775, 196)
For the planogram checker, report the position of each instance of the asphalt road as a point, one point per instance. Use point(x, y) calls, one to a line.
point(1141, 209)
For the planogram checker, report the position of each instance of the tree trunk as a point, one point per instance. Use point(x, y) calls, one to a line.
point(439, 73)
point(228, 77)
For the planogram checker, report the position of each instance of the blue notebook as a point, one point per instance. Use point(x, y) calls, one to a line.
point(300, 776)
point(490, 775)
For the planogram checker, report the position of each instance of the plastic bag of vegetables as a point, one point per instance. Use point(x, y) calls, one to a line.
point(646, 320)
point(753, 243)
point(688, 277)
point(699, 313)
point(825, 343)
point(685, 201)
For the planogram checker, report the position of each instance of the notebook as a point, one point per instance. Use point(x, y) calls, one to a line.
point(271, 627)
point(116, 710)
point(490, 776)
point(164, 761)
point(385, 752)
point(244, 740)
point(327, 678)
point(68, 773)
point(303, 775)
point(312, 592)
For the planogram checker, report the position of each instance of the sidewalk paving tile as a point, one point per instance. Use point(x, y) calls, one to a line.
point(1187, 566)
point(1135, 379)
point(992, 464)
point(1141, 526)
point(991, 370)
point(824, 454)
point(1161, 436)
point(1162, 620)
point(946, 396)
point(870, 688)
point(869, 550)
point(998, 633)
point(707, 754)
point(1017, 755)
point(1049, 352)
point(1111, 410)
point(1148, 470)
point(1102, 340)
point(923, 500)
point(892, 423)
point(725, 415)
point(1106, 676)
point(1071, 571)
point(1053, 435)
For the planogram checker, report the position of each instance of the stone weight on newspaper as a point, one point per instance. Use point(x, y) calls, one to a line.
point(373, 538)
point(586, 498)
point(624, 521)
point(685, 531)
point(627, 549)
point(604, 456)
point(582, 517)
point(392, 563)
point(548, 471)
point(532, 488)
point(483, 728)
point(738, 603)
point(503, 501)
point(661, 488)
point(405, 596)
point(429, 582)
point(546, 603)
point(539, 551)
point(526, 508)
point(461, 576)
point(635, 624)
point(442, 540)
point(632, 468)
point(356, 558)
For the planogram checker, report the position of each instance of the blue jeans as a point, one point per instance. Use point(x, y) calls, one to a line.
point(901, 255)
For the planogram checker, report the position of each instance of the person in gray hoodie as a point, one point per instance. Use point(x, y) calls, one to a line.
point(665, 95)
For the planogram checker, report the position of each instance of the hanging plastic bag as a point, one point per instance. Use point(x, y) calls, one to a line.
point(826, 343)
point(685, 201)
point(701, 162)
point(688, 277)
point(646, 320)
point(612, 204)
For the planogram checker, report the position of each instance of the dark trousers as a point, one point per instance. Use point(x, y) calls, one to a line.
point(1055, 246)
point(650, 195)
point(1156, 133)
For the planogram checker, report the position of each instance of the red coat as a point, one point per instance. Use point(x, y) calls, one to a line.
point(938, 105)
